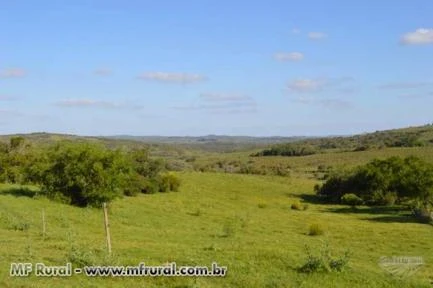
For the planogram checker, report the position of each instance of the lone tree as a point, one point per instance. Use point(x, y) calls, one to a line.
point(84, 174)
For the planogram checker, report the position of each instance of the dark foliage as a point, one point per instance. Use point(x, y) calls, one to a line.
point(383, 182)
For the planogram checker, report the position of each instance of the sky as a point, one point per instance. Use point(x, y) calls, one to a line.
point(199, 67)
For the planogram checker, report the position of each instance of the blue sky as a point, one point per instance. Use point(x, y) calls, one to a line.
point(260, 68)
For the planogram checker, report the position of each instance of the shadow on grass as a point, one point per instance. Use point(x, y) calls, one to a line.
point(369, 210)
point(19, 191)
point(384, 214)
point(308, 198)
point(404, 218)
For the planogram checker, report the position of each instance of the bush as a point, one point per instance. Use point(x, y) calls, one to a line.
point(262, 205)
point(84, 174)
point(296, 206)
point(80, 257)
point(323, 261)
point(315, 230)
point(299, 206)
point(351, 199)
point(135, 184)
point(173, 181)
point(150, 186)
point(384, 198)
point(383, 182)
point(163, 183)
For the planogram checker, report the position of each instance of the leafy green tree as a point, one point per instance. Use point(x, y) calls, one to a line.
point(384, 182)
point(85, 174)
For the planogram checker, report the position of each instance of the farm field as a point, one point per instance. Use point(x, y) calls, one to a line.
point(244, 222)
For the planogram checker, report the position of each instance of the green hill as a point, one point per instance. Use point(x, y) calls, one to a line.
point(243, 222)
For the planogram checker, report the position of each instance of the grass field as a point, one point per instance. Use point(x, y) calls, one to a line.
point(243, 222)
point(305, 166)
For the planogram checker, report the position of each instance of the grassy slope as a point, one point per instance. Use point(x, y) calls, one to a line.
point(300, 165)
point(215, 217)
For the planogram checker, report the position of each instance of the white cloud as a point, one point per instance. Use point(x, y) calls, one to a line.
point(223, 106)
point(317, 35)
point(173, 77)
point(12, 73)
point(93, 103)
point(218, 97)
point(222, 103)
point(419, 37)
point(332, 103)
point(310, 85)
point(304, 92)
point(306, 85)
point(292, 56)
point(86, 103)
point(236, 111)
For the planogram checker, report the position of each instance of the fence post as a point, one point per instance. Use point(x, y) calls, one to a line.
point(107, 228)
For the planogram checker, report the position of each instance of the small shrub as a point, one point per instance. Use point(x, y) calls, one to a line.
point(315, 230)
point(313, 263)
point(20, 226)
point(341, 262)
point(351, 199)
point(196, 212)
point(174, 182)
point(323, 261)
point(262, 205)
point(80, 257)
point(15, 223)
point(296, 206)
point(169, 182)
point(150, 186)
point(164, 185)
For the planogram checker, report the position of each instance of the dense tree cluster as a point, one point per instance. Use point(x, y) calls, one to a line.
point(82, 173)
point(382, 182)
point(289, 149)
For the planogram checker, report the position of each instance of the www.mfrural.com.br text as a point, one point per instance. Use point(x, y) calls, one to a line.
point(141, 270)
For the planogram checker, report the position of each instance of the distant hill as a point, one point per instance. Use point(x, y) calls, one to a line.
point(210, 143)
point(404, 137)
point(289, 146)
point(208, 139)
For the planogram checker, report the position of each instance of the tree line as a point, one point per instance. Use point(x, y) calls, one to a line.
point(410, 137)
point(383, 182)
point(84, 173)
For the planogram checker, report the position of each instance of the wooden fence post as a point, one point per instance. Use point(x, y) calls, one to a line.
point(107, 228)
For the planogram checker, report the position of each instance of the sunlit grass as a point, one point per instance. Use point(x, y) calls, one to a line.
point(244, 222)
